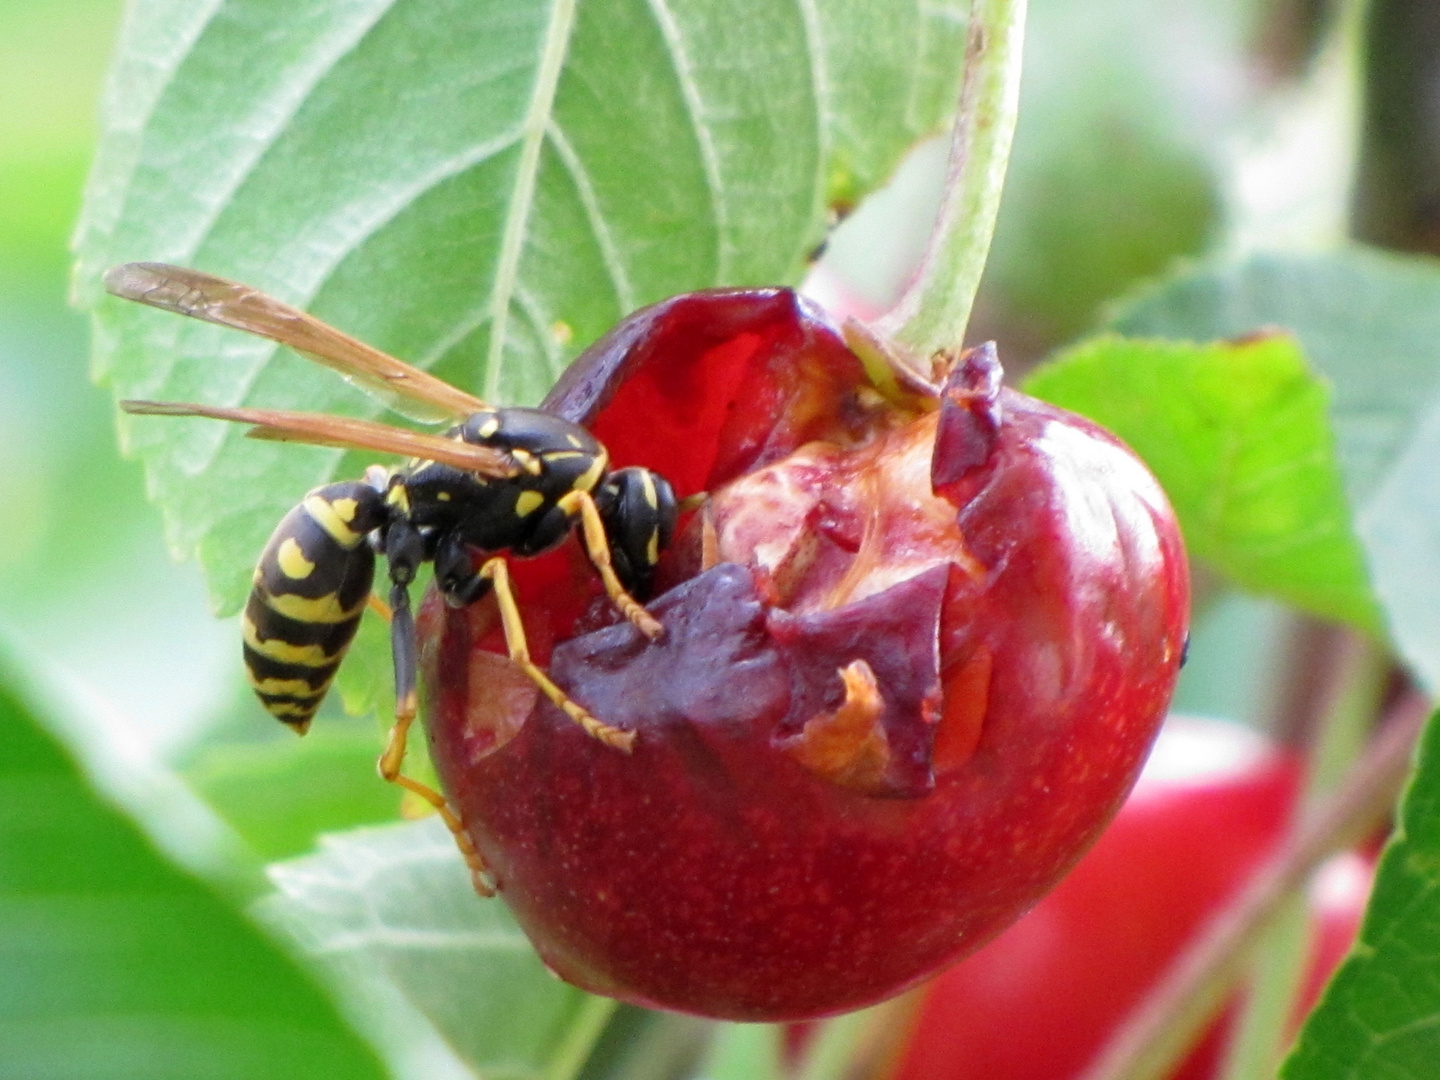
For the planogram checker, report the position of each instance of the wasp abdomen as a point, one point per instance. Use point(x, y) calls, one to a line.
point(310, 589)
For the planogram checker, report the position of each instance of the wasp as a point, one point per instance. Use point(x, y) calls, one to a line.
point(499, 482)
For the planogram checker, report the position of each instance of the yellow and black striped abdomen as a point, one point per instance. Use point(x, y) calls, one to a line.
point(310, 590)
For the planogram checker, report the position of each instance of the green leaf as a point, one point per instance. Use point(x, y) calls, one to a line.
point(1380, 1016)
point(646, 1044)
point(1238, 436)
point(117, 965)
point(366, 681)
point(280, 795)
point(745, 1052)
point(478, 186)
point(1112, 175)
point(1370, 324)
point(392, 910)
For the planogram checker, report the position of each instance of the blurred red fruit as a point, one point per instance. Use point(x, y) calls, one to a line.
point(1040, 1001)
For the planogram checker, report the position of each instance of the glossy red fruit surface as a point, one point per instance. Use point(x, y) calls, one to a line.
point(917, 645)
point(1213, 804)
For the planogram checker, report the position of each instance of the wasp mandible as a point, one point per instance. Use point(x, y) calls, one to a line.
point(499, 481)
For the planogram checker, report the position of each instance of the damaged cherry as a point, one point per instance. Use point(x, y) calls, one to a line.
point(917, 643)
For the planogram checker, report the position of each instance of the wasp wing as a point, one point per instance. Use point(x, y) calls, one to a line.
point(320, 429)
point(227, 303)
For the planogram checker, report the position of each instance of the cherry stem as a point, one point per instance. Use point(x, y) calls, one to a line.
point(1276, 968)
point(931, 316)
point(1196, 984)
point(835, 1048)
point(580, 1038)
point(741, 1051)
point(864, 1043)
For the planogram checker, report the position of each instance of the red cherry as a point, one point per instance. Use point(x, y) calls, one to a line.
point(1211, 807)
point(916, 649)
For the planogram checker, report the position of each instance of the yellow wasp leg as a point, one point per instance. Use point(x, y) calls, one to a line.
point(479, 876)
point(510, 621)
point(597, 546)
point(393, 757)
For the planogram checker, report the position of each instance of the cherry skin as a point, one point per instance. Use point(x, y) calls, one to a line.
point(917, 644)
point(1215, 801)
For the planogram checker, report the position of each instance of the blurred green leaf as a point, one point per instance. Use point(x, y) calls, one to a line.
point(1380, 1016)
point(1085, 216)
point(1236, 642)
point(1370, 325)
point(745, 1052)
point(646, 1044)
point(1112, 173)
point(1238, 436)
point(37, 208)
point(481, 188)
point(118, 965)
point(393, 911)
point(51, 55)
point(366, 681)
point(280, 795)
point(84, 583)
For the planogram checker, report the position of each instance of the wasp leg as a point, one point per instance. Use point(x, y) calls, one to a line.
point(479, 875)
point(597, 546)
point(498, 573)
point(380, 607)
point(403, 648)
point(459, 582)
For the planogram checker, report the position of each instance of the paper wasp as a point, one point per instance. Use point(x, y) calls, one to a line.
point(499, 481)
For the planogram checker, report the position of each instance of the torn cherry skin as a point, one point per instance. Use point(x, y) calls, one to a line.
point(914, 656)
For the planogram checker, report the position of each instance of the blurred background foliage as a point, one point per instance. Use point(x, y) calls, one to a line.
point(83, 582)
point(113, 961)
point(1148, 133)
point(1129, 122)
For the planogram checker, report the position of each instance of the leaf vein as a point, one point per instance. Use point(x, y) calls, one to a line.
point(695, 108)
point(531, 308)
point(380, 211)
point(609, 250)
point(272, 117)
point(99, 217)
point(554, 47)
point(824, 102)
